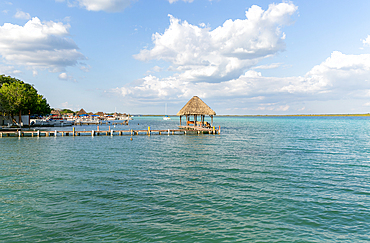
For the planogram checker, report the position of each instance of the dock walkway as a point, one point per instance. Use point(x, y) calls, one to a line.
point(149, 132)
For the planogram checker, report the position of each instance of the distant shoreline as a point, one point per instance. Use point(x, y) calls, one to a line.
point(296, 115)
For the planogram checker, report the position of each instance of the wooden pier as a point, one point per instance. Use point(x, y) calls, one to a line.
point(110, 132)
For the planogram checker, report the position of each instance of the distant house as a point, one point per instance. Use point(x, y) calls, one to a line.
point(56, 113)
point(81, 112)
point(101, 114)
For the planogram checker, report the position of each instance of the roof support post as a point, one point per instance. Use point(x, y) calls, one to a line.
point(212, 121)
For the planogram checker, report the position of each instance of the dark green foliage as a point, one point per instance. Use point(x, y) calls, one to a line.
point(19, 97)
point(65, 111)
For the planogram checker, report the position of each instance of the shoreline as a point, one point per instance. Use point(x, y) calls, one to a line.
point(295, 115)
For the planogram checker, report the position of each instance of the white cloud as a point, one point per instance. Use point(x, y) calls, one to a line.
point(100, 5)
point(201, 54)
point(22, 15)
point(8, 70)
point(366, 42)
point(338, 77)
point(65, 76)
point(39, 44)
point(271, 66)
point(221, 65)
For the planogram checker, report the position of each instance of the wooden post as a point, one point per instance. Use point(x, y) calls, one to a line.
point(73, 132)
point(92, 133)
point(20, 118)
point(38, 133)
point(212, 120)
point(148, 130)
point(55, 133)
point(111, 133)
point(219, 129)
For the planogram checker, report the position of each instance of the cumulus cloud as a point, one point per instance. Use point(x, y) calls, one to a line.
point(201, 54)
point(37, 44)
point(271, 66)
point(65, 76)
point(339, 76)
point(222, 65)
point(100, 5)
point(22, 15)
point(9, 69)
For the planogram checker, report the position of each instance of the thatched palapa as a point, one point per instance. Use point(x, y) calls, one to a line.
point(81, 112)
point(56, 113)
point(196, 107)
point(100, 113)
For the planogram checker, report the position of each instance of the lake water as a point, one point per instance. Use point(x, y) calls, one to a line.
point(303, 179)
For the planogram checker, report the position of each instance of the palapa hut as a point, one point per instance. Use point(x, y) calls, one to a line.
point(81, 112)
point(196, 107)
point(56, 113)
point(100, 113)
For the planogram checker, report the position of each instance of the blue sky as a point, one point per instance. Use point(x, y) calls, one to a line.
point(240, 57)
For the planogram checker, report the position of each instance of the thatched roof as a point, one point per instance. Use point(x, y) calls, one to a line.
point(81, 112)
point(100, 113)
point(196, 106)
point(55, 112)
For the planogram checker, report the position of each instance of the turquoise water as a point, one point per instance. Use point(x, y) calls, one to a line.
point(262, 179)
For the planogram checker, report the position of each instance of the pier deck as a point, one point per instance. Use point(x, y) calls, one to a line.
point(111, 132)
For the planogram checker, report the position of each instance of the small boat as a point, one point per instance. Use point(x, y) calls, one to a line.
point(165, 112)
point(51, 122)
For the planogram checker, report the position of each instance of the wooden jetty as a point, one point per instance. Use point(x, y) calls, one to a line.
point(109, 132)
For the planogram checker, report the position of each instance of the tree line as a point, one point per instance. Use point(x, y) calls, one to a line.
point(20, 98)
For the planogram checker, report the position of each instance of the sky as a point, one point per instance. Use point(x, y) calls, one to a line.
point(241, 57)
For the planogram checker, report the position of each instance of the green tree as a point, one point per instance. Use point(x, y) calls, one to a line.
point(17, 97)
point(7, 79)
point(65, 111)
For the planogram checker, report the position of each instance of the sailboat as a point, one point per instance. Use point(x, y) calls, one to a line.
point(165, 114)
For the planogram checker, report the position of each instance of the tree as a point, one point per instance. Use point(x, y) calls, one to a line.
point(7, 79)
point(17, 97)
point(65, 111)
